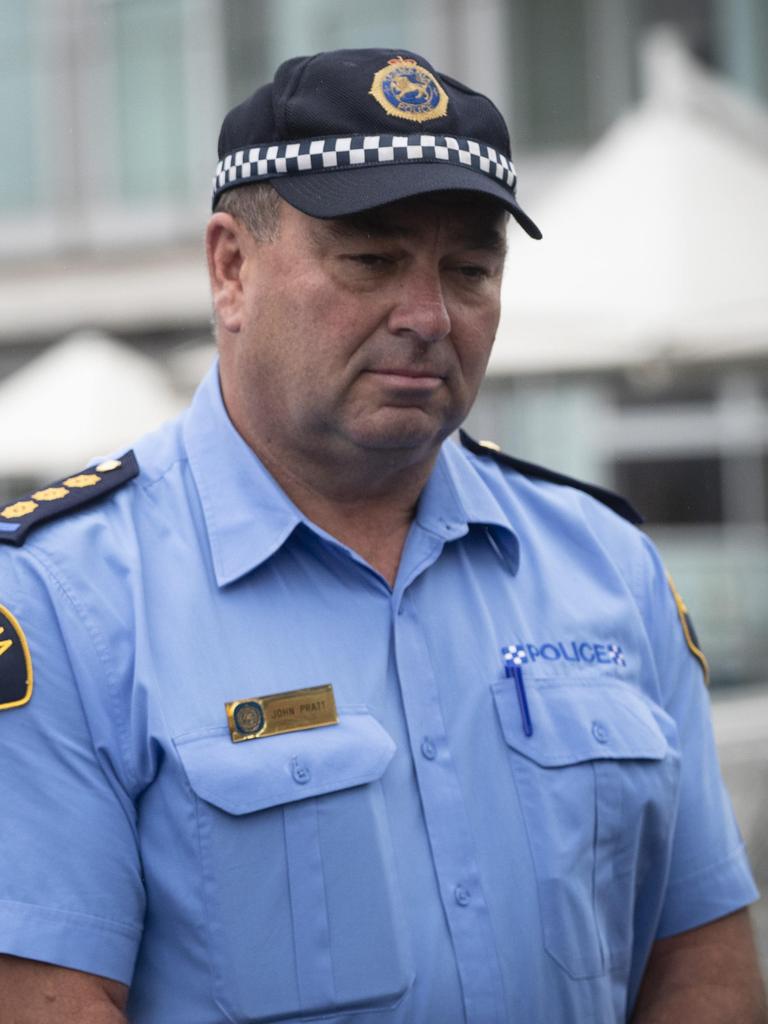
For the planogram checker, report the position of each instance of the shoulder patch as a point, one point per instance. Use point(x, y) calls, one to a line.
point(688, 630)
point(66, 495)
point(613, 501)
point(15, 663)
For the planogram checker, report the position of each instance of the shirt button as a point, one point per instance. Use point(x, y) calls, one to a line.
point(428, 749)
point(300, 772)
point(461, 895)
point(600, 732)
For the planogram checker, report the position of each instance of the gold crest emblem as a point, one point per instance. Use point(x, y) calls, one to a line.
point(406, 89)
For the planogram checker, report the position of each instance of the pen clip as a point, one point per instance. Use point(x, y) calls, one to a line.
point(514, 657)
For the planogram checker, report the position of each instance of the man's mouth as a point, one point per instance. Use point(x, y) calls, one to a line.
point(409, 377)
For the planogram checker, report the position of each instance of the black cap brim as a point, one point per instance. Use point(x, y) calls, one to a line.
point(337, 193)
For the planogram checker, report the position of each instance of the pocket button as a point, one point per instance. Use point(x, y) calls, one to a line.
point(600, 732)
point(462, 896)
point(300, 772)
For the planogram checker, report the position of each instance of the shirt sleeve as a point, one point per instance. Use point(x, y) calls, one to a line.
point(70, 882)
point(709, 874)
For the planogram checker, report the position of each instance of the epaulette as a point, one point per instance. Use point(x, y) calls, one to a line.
point(530, 469)
point(72, 492)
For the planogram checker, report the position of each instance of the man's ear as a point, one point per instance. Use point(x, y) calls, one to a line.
point(225, 242)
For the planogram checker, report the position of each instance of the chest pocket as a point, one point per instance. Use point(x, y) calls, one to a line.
point(597, 784)
point(304, 917)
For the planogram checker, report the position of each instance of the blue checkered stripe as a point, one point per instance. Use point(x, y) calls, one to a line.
point(260, 163)
point(515, 654)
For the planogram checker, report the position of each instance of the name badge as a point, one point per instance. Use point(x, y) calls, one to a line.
point(255, 717)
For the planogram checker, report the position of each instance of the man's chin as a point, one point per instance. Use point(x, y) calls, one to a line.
point(419, 435)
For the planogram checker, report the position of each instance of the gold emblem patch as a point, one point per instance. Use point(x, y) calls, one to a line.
point(405, 89)
point(15, 663)
point(61, 497)
point(254, 717)
point(51, 494)
point(18, 509)
point(81, 480)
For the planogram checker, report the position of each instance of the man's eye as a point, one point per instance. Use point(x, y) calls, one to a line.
point(370, 259)
point(474, 271)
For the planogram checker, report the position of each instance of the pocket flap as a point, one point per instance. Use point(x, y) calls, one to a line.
point(240, 778)
point(580, 721)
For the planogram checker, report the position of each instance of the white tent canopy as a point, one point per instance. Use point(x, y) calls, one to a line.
point(88, 395)
point(656, 246)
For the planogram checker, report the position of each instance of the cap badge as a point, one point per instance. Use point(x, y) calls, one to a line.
point(405, 89)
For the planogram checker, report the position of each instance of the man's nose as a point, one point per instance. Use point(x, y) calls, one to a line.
point(420, 308)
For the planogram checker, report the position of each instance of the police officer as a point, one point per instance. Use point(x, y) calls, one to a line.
point(312, 714)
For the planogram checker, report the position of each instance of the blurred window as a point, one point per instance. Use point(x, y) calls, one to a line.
point(150, 97)
point(682, 388)
point(247, 45)
point(672, 491)
point(695, 18)
point(20, 113)
point(259, 36)
point(574, 63)
point(550, 71)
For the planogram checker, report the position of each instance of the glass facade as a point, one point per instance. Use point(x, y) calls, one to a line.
point(149, 93)
point(107, 101)
point(262, 35)
point(21, 110)
point(673, 491)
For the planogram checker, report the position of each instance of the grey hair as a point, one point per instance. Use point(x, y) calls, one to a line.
point(257, 206)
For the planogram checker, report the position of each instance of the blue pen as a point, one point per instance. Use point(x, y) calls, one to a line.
point(514, 656)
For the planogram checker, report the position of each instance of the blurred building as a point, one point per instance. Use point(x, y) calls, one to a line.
point(110, 117)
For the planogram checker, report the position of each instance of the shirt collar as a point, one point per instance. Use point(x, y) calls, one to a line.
point(457, 497)
point(248, 516)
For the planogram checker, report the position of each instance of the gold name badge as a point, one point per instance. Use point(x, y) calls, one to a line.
point(255, 717)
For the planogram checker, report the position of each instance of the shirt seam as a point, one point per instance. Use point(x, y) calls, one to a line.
point(104, 923)
point(733, 854)
point(149, 484)
point(99, 648)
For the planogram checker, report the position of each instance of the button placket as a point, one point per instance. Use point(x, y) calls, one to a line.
point(447, 821)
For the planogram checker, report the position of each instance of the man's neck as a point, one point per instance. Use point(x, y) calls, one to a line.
point(369, 506)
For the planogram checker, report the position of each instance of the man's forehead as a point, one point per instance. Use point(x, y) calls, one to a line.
point(463, 214)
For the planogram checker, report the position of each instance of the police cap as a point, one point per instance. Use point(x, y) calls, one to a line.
point(347, 130)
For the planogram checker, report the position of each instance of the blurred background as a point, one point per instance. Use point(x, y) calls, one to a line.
point(633, 349)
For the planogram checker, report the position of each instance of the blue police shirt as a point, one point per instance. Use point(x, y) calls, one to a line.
point(423, 860)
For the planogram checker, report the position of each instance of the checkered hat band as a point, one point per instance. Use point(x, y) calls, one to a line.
point(259, 163)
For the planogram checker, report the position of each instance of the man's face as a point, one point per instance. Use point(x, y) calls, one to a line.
point(367, 332)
